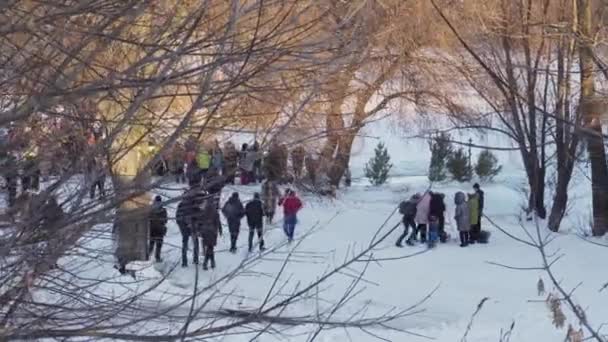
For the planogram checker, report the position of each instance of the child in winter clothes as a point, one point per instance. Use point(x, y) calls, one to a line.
point(433, 234)
point(422, 217)
point(233, 211)
point(158, 227)
point(291, 205)
point(461, 216)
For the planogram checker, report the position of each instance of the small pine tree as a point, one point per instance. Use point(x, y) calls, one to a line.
point(487, 166)
point(458, 165)
point(441, 148)
point(376, 170)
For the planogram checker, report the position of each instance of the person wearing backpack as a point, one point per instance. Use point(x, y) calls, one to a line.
point(255, 220)
point(158, 228)
point(408, 210)
point(233, 212)
point(209, 227)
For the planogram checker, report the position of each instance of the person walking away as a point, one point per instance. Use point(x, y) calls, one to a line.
point(214, 183)
point(408, 210)
point(297, 161)
point(270, 197)
point(255, 220)
point(433, 233)
point(480, 196)
point(291, 205)
point(185, 216)
point(210, 227)
point(474, 217)
point(422, 218)
point(158, 228)
point(231, 157)
point(437, 209)
point(233, 212)
point(461, 216)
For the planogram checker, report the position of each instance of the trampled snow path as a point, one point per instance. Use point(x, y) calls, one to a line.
point(462, 276)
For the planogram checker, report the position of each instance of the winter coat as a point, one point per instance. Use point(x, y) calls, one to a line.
point(255, 213)
point(231, 157)
point(437, 206)
point(291, 205)
point(203, 160)
point(423, 209)
point(233, 210)
point(188, 212)
point(270, 196)
point(461, 213)
point(480, 195)
point(214, 183)
point(248, 160)
point(158, 221)
point(209, 225)
point(474, 209)
point(408, 208)
point(217, 159)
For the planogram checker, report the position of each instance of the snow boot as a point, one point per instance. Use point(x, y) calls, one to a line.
point(205, 268)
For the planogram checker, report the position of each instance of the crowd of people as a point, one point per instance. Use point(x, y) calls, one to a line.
point(424, 214)
point(198, 216)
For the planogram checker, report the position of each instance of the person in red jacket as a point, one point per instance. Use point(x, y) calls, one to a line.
point(291, 205)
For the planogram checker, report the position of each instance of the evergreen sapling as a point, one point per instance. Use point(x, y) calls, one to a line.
point(377, 168)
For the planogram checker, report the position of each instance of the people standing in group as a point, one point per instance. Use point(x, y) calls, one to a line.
point(422, 218)
point(408, 210)
point(461, 217)
point(474, 217)
point(209, 228)
point(270, 197)
point(291, 206)
point(255, 220)
point(178, 163)
point(233, 212)
point(187, 216)
point(158, 228)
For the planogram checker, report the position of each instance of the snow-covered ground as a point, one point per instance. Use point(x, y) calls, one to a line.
point(330, 231)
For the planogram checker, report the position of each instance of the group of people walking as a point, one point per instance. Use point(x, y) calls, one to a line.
point(425, 215)
point(198, 219)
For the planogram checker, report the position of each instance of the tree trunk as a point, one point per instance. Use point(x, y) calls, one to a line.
point(560, 200)
point(591, 114)
point(342, 159)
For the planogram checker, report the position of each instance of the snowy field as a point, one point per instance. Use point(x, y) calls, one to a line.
point(444, 284)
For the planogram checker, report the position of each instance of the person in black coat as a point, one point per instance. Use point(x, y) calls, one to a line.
point(208, 227)
point(233, 212)
point(437, 209)
point(480, 196)
point(188, 211)
point(214, 183)
point(255, 220)
point(158, 227)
